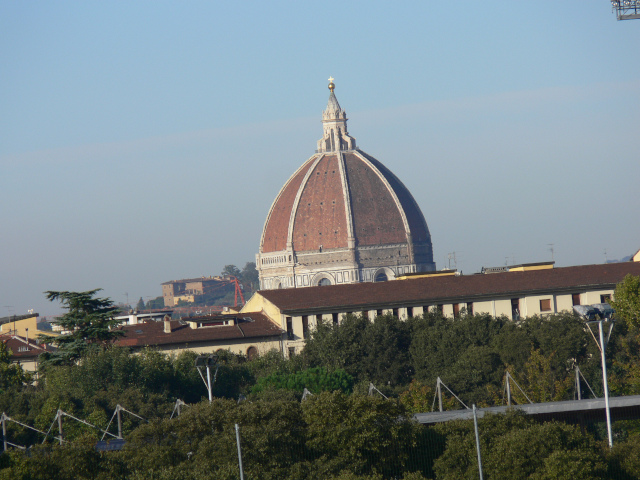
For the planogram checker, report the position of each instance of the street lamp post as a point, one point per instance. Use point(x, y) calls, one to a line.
point(600, 313)
point(207, 361)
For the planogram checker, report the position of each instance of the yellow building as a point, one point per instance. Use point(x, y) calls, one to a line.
point(23, 325)
point(516, 293)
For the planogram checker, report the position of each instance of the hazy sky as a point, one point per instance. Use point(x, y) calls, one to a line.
point(142, 142)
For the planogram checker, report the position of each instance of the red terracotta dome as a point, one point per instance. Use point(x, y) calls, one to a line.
point(342, 215)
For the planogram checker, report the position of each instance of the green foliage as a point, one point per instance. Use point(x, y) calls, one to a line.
point(333, 435)
point(155, 304)
point(361, 434)
point(249, 278)
point(372, 351)
point(626, 300)
point(316, 380)
point(89, 319)
point(514, 446)
point(11, 375)
point(230, 270)
point(140, 305)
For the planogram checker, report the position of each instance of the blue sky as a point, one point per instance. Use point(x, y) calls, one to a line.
point(142, 142)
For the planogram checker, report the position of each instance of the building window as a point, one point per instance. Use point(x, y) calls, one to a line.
point(575, 299)
point(292, 352)
point(515, 309)
point(440, 309)
point(289, 328)
point(456, 310)
point(545, 305)
point(605, 298)
point(365, 314)
point(409, 312)
point(252, 352)
point(324, 282)
point(379, 312)
point(319, 318)
point(305, 326)
point(469, 308)
point(396, 313)
point(425, 309)
point(334, 317)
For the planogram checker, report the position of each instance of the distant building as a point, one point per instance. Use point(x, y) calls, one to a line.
point(134, 317)
point(24, 325)
point(249, 334)
point(189, 289)
point(520, 291)
point(25, 351)
point(342, 218)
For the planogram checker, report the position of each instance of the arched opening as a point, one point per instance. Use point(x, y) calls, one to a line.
point(324, 282)
point(252, 352)
point(381, 277)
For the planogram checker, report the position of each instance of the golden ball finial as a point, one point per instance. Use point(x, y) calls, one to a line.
point(331, 85)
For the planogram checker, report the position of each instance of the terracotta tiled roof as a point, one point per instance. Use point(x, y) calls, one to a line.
point(152, 333)
point(315, 197)
point(449, 289)
point(21, 349)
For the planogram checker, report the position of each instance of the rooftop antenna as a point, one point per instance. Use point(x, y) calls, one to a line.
point(550, 245)
point(452, 256)
point(605, 256)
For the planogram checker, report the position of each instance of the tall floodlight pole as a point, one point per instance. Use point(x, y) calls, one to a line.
point(604, 313)
point(605, 383)
point(626, 9)
point(475, 425)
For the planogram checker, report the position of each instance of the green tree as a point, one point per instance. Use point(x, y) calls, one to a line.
point(626, 300)
point(249, 276)
point(516, 447)
point(316, 380)
point(155, 303)
point(10, 374)
point(140, 305)
point(231, 270)
point(89, 321)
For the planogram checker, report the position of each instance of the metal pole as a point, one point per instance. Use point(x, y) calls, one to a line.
point(239, 452)
point(209, 382)
point(60, 425)
point(439, 394)
point(508, 391)
point(605, 385)
point(578, 383)
point(119, 422)
point(475, 424)
point(4, 431)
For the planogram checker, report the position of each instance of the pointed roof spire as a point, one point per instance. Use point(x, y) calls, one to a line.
point(334, 120)
point(333, 110)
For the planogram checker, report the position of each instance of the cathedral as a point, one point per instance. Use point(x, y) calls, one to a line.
point(342, 217)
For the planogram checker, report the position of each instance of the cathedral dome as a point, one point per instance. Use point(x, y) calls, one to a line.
point(342, 217)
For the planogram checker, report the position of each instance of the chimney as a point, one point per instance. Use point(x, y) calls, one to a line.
point(27, 335)
point(167, 324)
